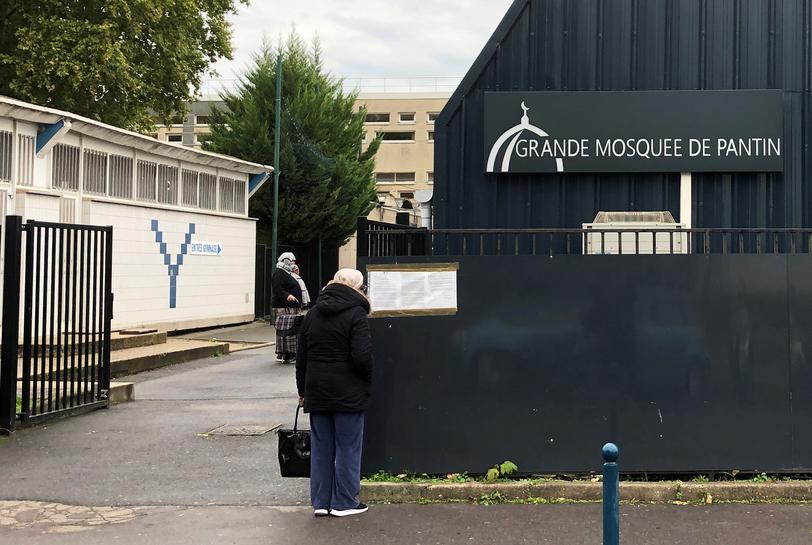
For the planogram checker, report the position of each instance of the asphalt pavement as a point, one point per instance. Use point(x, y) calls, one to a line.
point(148, 472)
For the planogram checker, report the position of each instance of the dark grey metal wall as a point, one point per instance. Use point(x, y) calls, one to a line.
point(573, 45)
point(690, 363)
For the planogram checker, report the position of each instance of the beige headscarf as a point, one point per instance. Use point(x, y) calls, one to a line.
point(349, 277)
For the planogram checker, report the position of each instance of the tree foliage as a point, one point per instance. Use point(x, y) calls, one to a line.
point(111, 60)
point(326, 178)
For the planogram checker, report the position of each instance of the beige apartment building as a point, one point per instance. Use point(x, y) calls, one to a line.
point(404, 165)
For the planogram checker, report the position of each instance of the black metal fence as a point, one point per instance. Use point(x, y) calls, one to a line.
point(376, 238)
point(65, 272)
point(383, 240)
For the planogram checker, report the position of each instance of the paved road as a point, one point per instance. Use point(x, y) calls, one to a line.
point(148, 452)
point(219, 490)
point(428, 525)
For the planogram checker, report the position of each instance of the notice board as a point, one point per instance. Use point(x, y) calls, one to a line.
point(413, 289)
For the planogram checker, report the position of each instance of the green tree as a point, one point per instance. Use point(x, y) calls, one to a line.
point(111, 60)
point(326, 177)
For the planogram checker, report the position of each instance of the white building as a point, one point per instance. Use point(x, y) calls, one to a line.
point(183, 244)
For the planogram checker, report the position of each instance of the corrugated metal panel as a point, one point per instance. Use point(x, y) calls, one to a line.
point(594, 45)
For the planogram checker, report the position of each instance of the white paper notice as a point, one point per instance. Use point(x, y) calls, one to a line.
point(412, 290)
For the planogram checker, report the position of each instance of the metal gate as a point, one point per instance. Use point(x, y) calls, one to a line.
point(65, 272)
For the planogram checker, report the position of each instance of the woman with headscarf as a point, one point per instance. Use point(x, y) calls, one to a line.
point(287, 305)
point(333, 377)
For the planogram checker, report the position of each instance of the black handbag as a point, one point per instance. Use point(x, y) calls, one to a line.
point(294, 450)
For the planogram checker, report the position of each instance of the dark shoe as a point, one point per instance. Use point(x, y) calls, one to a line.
point(320, 512)
point(361, 508)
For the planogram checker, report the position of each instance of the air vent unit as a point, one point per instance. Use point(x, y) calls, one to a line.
point(616, 233)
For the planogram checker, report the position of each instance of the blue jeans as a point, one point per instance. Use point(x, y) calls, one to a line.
point(335, 459)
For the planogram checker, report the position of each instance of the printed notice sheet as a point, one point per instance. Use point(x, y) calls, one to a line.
point(419, 290)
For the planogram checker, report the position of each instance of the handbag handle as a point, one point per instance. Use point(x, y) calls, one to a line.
point(296, 420)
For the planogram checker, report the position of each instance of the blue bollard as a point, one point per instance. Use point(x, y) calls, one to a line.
point(611, 495)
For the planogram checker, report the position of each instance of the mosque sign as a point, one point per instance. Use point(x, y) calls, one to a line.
point(634, 131)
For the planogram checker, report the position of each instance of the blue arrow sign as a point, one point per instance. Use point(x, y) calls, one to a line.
point(206, 248)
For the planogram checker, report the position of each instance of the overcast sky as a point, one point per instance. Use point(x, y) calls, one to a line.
point(373, 38)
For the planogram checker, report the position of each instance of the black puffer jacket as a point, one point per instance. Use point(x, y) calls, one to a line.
point(282, 285)
point(334, 360)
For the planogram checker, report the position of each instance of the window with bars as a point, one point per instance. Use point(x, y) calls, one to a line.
point(239, 196)
point(121, 177)
point(227, 194)
point(188, 188)
point(208, 191)
point(167, 184)
point(5, 156)
point(95, 172)
point(65, 173)
point(25, 159)
point(147, 172)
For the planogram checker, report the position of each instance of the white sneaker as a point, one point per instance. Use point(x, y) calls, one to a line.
point(320, 512)
point(362, 508)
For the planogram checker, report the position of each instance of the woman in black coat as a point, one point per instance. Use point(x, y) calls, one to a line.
point(286, 301)
point(333, 377)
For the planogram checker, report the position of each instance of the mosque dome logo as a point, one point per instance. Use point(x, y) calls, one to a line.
point(512, 137)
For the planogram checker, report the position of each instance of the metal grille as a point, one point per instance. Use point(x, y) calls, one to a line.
point(65, 173)
point(25, 159)
point(121, 177)
point(167, 184)
point(95, 173)
point(189, 187)
point(208, 191)
point(146, 180)
point(227, 194)
point(66, 337)
point(239, 196)
point(5, 156)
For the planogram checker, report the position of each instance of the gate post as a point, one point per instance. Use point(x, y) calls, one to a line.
point(11, 324)
point(611, 495)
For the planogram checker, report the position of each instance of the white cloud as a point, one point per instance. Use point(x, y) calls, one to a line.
point(373, 38)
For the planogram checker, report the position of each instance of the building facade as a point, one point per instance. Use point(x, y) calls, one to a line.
point(183, 244)
point(404, 165)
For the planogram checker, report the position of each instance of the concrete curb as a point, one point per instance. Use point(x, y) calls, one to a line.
point(564, 491)
point(170, 357)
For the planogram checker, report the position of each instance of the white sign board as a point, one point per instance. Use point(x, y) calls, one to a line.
point(205, 248)
point(419, 291)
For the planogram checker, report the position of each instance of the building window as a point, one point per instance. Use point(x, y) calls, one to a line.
point(147, 172)
point(406, 195)
point(397, 136)
point(188, 187)
point(121, 177)
point(432, 116)
point(208, 191)
point(65, 173)
point(174, 138)
point(5, 156)
point(201, 120)
point(25, 157)
point(240, 188)
point(431, 136)
point(95, 172)
point(377, 118)
point(203, 137)
point(227, 194)
point(167, 184)
point(429, 177)
point(394, 177)
point(405, 117)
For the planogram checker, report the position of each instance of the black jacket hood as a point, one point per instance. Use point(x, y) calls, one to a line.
point(337, 297)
